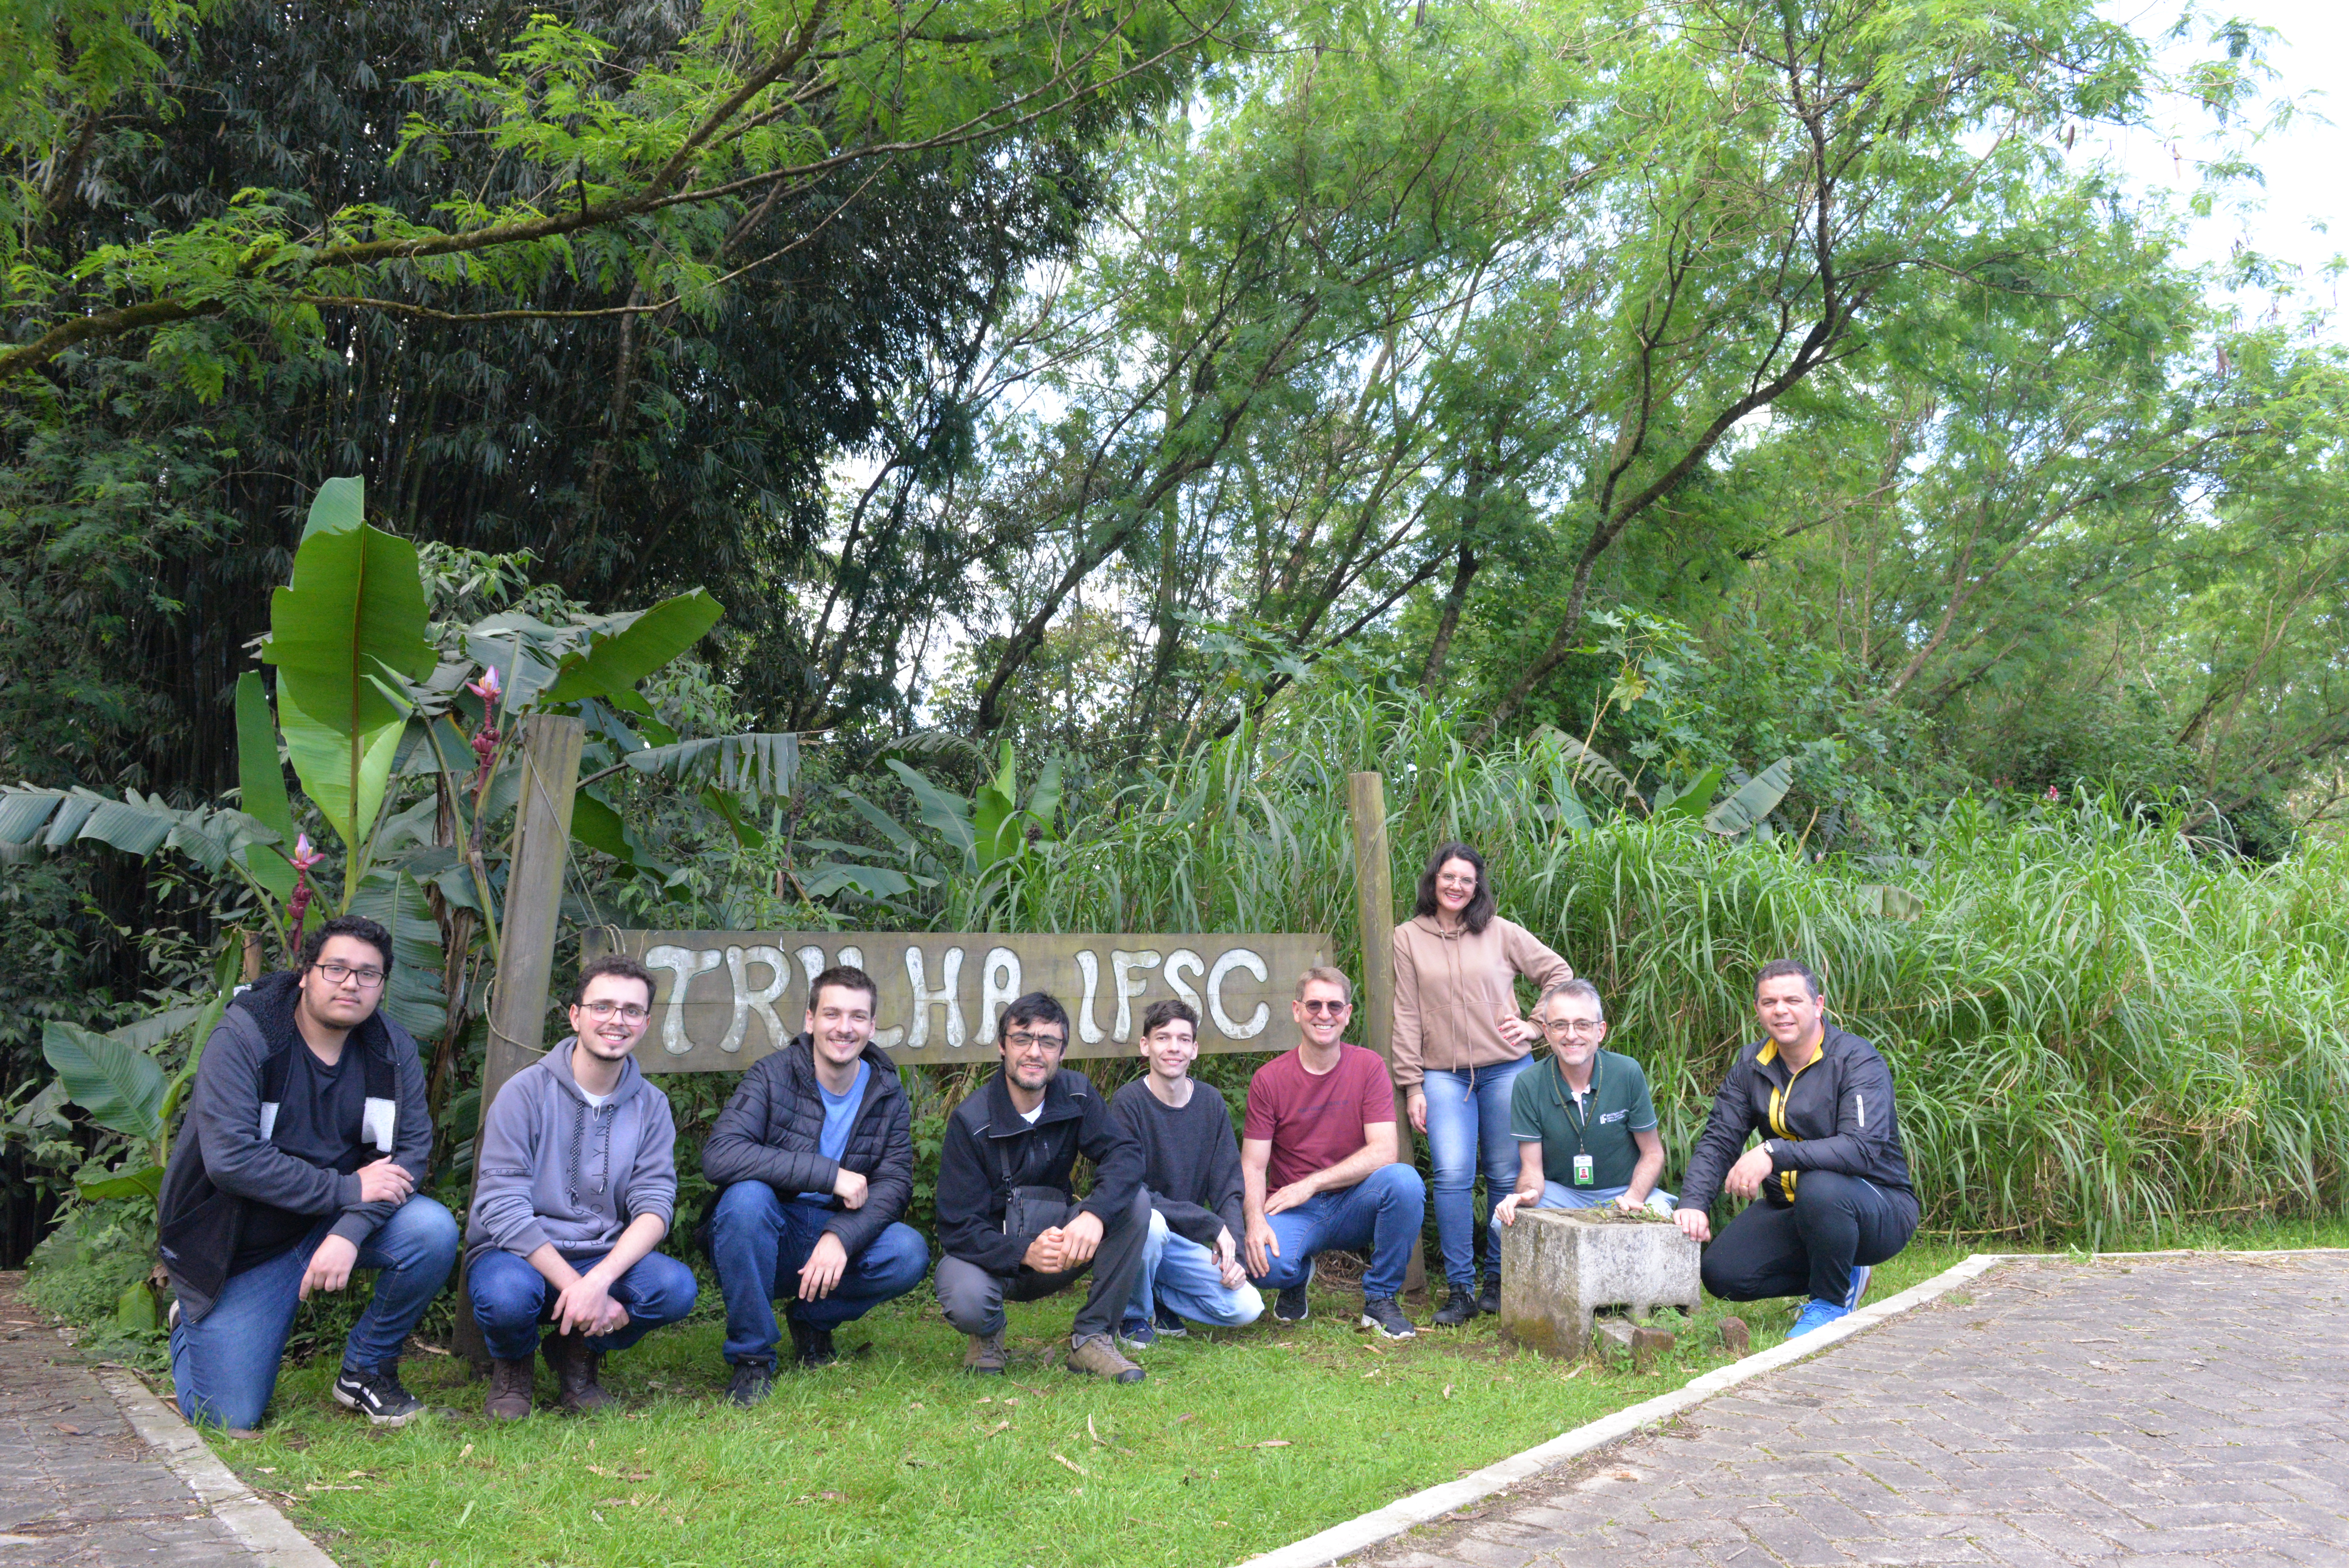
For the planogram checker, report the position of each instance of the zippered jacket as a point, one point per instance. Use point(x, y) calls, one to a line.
point(224, 1160)
point(990, 1149)
point(1451, 988)
point(555, 1169)
point(772, 1131)
point(1837, 1114)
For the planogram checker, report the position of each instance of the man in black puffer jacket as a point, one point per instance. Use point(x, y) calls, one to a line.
point(813, 1157)
point(1830, 1174)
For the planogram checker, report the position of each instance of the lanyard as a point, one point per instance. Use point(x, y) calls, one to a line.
point(1566, 1101)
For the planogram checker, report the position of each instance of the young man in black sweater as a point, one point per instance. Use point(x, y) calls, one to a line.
point(1191, 1169)
point(1008, 1221)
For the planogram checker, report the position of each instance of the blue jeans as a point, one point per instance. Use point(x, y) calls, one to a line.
point(224, 1368)
point(1382, 1217)
point(1559, 1196)
point(1180, 1275)
point(1468, 1126)
point(759, 1241)
point(511, 1299)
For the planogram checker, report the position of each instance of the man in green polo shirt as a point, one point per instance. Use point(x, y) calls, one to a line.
point(1585, 1127)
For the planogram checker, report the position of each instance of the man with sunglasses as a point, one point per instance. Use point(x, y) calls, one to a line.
point(577, 1186)
point(1317, 1162)
point(307, 1133)
point(1585, 1125)
point(1009, 1219)
point(813, 1163)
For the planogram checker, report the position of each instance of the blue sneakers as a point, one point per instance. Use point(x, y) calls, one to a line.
point(1816, 1313)
point(1859, 1288)
point(1138, 1332)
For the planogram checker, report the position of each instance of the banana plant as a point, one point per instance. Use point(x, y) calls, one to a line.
point(992, 832)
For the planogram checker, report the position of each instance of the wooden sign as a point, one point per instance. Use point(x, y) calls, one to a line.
point(722, 1000)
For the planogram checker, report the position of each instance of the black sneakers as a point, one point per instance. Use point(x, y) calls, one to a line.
point(1458, 1308)
point(1489, 1300)
point(1379, 1312)
point(377, 1396)
point(812, 1345)
point(753, 1381)
point(1289, 1304)
point(1168, 1325)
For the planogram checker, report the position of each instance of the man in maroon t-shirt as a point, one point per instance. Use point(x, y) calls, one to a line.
point(1317, 1162)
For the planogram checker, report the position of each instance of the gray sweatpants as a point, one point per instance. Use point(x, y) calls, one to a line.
point(972, 1297)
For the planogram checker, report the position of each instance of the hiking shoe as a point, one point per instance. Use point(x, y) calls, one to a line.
point(753, 1381)
point(377, 1396)
point(1098, 1355)
point(1169, 1327)
point(1458, 1308)
point(1289, 1306)
point(812, 1344)
point(1379, 1312)
point(1137, 1332)
point(1489, 1300)
point(1817, 1314)
point(1858, 1287)
point(510, 1391)
point(985, 1355)
point(576, 1369)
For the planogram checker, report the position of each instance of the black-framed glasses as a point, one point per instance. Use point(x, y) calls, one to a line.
point(629, 1012)
point(1029, 1040)
point(1320, 1009)
point(335, 973)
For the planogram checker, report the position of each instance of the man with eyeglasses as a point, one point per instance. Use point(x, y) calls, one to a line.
point(307, 1133)
point(1585, 1125)
point(813, 1160)
point(1009, 1219)
point(1317, 1162)
point(577, 1186)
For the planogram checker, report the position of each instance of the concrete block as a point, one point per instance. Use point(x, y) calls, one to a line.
point(1561, 1267)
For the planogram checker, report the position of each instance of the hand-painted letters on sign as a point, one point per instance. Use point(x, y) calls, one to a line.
point(723, 999)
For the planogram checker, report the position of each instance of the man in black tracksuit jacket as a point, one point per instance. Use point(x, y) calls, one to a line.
point(1830, 1174)
point(1008, 1221)
point(814, 1160)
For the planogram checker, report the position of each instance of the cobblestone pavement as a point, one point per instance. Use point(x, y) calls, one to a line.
point(2188, 1412)
point(77, 1485)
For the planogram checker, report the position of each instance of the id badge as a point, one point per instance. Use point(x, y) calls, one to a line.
point(1582, 1170)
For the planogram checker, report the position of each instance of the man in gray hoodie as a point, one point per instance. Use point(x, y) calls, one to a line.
point(305, 1137)
point(577, 1186)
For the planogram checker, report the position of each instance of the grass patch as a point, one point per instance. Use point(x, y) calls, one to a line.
point(1237, 1443)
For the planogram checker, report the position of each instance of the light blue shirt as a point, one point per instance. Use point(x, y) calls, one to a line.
point(839, 1120)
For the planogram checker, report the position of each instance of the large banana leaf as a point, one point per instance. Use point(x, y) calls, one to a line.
point(412, 997)
point(1754, 799)
point(615, 661)
point(946, 814)
point(117, 1084)
point(756, 763)
point(339, 506)
point(135, 825)
point(129, 1181)
point(1692, 802)
point(356, 605)
point(260, 779)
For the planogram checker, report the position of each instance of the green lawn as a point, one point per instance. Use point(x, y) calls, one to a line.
point(1235, 1444)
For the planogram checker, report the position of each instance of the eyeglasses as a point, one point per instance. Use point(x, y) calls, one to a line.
point(1573, 1025)
point(335, 973)
point(1317, 1010)
point(1027, 1041)
point(628, 1011)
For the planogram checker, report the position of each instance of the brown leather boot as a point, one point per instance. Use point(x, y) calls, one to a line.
point(509, 1389)
point(575, 1368)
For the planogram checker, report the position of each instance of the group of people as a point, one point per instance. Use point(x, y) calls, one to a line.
point(308, 1130)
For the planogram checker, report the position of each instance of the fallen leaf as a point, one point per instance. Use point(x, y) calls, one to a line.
point(265, 1470)
point(67, 1428)
point(1373, 1371)
point(463, 1451)
point(1578, 1372)
point(1447, 1390)
point(999, 1427)
point(1625, 1475)
point(1272, 1443)
point(1071, 1464)
point(1186, 1416)
point(595, 1516)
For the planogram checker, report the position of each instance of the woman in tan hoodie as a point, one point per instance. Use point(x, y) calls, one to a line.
point(1460, 1043)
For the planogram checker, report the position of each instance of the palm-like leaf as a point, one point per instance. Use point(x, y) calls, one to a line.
point(756, 763)
point(117, 1084)
point(136, 825)
point(1754, 799)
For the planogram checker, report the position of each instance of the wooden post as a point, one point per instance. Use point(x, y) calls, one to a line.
point(1366, 802)
point(533, 919)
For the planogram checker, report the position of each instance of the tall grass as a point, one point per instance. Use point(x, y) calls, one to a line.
point(2096, 1024)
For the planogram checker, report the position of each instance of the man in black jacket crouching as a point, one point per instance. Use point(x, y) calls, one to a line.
point(1008, 1221)
point(813, 1157)
point(1830, 1172)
